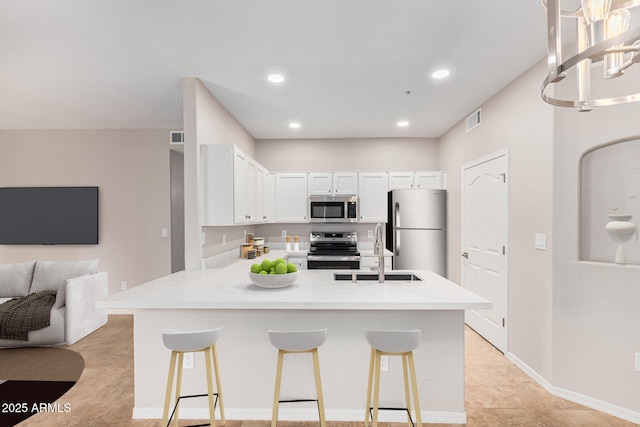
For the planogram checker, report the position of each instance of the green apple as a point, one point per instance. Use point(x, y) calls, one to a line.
point(266, 265)
point(281, 268)
point(255, 268)
point(291, 268)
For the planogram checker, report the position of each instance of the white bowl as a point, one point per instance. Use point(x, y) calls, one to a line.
point(274, 280)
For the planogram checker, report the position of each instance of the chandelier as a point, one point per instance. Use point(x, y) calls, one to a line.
point(603, 37)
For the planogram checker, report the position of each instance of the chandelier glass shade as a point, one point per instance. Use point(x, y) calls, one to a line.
point(602, 37)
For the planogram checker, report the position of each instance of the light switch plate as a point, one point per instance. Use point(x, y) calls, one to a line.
point(638, 362)
point(541, 242)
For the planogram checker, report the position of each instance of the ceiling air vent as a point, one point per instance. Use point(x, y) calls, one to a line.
point(473, 121)
point(176, 137)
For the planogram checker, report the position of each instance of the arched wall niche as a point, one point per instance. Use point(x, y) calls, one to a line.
point(610, 185)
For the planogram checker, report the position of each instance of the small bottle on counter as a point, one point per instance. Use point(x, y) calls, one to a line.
point(296, 245)
point(288, 247)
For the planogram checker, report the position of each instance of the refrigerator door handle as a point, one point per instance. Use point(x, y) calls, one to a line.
point(396, 245)
point(396, 215)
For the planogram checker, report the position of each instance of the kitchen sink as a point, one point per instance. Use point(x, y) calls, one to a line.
point(399, 277)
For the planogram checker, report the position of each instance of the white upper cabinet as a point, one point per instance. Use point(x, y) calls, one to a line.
point(372, 199)
point(332, 184)
point(291, 197)
point(417, 180)
point(229, 184)
point(345, 183)
point(400, 180)
point(244, 188)
point(320, 184)
point(428, 180)
point(264, 194)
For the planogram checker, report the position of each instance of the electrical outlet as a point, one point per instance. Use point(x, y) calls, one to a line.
point(638, 362)
point(284, 233)
point(541, 242)
point(123, 285)
point(165, 232)
point(188, 361)
point(224, 239)
point(370, 233)
point(384, 363)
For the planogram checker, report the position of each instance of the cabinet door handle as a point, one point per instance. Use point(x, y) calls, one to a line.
point(465, 255)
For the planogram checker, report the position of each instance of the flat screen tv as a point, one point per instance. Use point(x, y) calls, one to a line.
point(49, 216)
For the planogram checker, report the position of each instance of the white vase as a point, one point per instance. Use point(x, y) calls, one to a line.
point(621, 229)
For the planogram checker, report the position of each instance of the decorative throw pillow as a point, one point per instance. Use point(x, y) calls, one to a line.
point(52, 275)
point(15, 279)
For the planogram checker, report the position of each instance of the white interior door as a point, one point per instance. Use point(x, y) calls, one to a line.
point(484, 237)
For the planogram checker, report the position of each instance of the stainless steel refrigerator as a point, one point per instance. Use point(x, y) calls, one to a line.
point(416, 232)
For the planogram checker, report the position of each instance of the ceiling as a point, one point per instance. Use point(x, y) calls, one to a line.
point(353, 68)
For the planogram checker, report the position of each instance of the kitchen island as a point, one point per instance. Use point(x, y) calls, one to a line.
point(212, 297)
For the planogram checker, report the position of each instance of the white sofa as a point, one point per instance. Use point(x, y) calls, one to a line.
point(74, 314)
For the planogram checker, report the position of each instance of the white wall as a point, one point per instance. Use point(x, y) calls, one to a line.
point(595, 313)
point(206, 121)
point(349, 155)
point(131, 169)
point(516, 119)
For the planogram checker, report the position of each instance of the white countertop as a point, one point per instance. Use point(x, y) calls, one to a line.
point(231, 288)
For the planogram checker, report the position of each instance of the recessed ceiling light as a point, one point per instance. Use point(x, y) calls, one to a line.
point(275, 78)
point(440, 74)
point(403, 124)
point(294, 125)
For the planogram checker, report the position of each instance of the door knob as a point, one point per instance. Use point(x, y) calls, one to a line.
point(466, 255)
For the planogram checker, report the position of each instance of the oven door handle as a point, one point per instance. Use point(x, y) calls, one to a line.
point(333, 258)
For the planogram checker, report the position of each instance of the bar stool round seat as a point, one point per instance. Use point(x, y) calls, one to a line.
point(297, 340)
point(290, 342)
point(392, 343)
point(188, 341)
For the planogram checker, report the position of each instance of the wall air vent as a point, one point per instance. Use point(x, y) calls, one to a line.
point(473, 121)
point(176, 137)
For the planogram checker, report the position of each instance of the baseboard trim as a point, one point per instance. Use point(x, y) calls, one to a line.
point(590, 402)
point(290, 414)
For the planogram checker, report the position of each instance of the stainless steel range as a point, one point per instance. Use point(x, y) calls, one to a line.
point(333, 251)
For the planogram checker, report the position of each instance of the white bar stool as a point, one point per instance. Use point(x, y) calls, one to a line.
point(289, 342)
point(180, 342)
point(392, 343)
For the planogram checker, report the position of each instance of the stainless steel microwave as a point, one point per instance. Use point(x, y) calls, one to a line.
point(333, 209)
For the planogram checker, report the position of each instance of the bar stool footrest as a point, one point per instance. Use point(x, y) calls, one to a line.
point(301, 400)
point(393, 409)
point(215, 403)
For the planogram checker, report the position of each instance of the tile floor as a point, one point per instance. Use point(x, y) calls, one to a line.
point(497, 392)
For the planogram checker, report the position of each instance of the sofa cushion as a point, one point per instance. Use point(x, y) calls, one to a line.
point(52, 275)
point(15, 279)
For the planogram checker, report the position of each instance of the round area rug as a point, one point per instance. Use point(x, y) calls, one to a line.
point(33, 379)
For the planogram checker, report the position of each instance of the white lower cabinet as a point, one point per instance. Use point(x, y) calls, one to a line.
point(299, 259)
point(367, 262)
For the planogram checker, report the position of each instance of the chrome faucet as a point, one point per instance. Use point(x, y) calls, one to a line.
point(378, 249)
